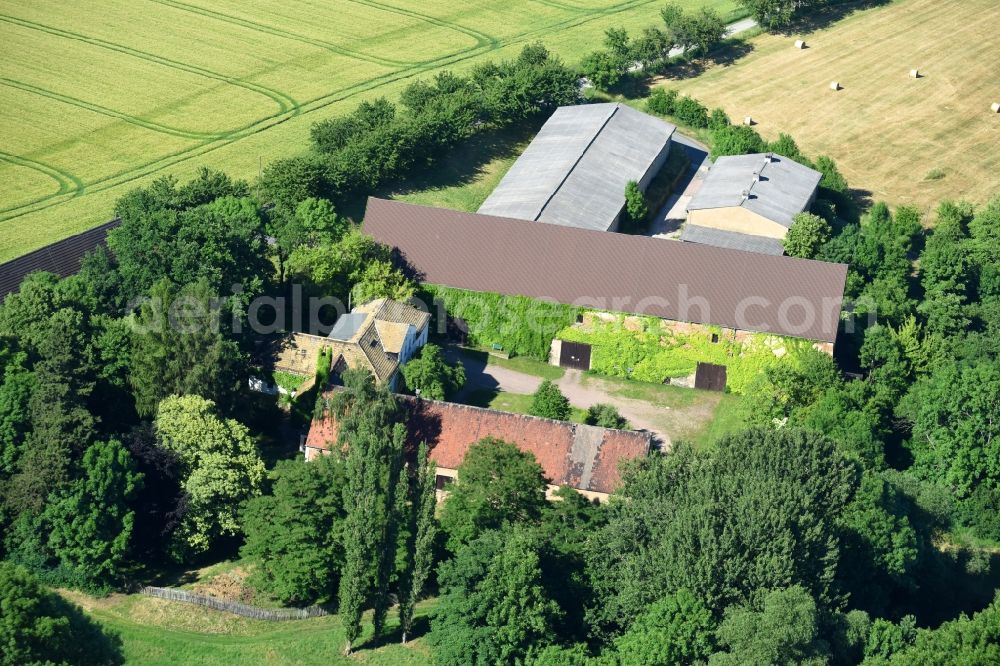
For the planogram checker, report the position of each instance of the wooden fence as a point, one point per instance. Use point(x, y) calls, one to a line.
point(244, 610)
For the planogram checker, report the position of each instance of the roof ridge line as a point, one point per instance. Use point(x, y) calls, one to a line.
point(576, 162)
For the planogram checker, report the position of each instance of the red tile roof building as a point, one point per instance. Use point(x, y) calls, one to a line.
point(583, 457)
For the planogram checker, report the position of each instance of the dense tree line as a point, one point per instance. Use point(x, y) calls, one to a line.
point(695, 33)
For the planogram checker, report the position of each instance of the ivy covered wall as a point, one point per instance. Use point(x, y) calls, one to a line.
point(651, 350)
point(522, 326)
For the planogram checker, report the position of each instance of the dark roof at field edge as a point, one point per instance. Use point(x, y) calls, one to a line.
point(62, 258)
point(612, 271)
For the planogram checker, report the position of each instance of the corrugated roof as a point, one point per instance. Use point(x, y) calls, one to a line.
point(571, 454)
point(616, 272)
point(776, 187)
point(694, 233)
point(575, 170)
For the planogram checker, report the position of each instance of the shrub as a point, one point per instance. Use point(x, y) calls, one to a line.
point(605, 416)
point(662, 102)
point(549, 402)
point(717, 119)
point(736, 140)
point(692, 112)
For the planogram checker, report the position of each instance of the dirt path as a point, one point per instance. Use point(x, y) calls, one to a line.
point(582, 392)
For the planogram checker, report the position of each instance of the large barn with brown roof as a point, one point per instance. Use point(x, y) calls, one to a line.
point(583, 457)
point(680, 282)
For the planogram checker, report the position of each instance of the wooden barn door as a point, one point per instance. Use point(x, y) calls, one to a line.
point(575, 355)
point(710, 377)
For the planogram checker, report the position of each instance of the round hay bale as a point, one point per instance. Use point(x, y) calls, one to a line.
point(799, 44)
point(914, 73)
point(995, 107)
point(748, 120)
point(834, 85)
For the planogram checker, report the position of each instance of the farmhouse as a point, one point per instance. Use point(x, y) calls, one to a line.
point(575, 171)
point(378, 336)
point(583, 457)
point(749, 202)
point(691, 285)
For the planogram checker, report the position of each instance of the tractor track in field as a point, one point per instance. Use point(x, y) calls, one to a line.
point(69, 185)
point(112, 113)
point(485, 43)
point(284, 101)
point(284, 34)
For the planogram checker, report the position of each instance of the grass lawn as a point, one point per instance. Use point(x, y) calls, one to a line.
point(156, 631)
point(102, 97)
point(725, 420)
point(517, 403)
point(904, 140)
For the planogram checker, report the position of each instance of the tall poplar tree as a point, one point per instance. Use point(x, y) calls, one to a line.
point(371, 438)
point(422, 535)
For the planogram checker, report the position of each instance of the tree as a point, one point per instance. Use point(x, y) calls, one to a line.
point(832, 179)
point(91, 521)
point(728, 525)
point(295, 534)
point(16, 386)
point(423, 534)
point(605, 69)
point(498, 485)
point(784, 633)
point(216, 235)
point(61, 424)
point(605, 416)
point(772, 14)
point(880, 546)
point(493, 608)
point(549, 402)
point(955, 414)
point(180, 349)
point(677, 629)
point(220, 466)
point(431, 376)
point(808, 233)
point(40, 627)
point(966, 640)
point(371, 436)
point(635, 203)
point(312, 222)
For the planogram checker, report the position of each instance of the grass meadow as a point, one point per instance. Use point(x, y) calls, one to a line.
point(904, 140)
point(101, 97)
point(157, 632)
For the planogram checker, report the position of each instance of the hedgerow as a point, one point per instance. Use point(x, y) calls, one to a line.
point(520, 325)
point(654, 353)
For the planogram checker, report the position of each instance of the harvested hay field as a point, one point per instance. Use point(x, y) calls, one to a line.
point(904, 140)
point(102, 96)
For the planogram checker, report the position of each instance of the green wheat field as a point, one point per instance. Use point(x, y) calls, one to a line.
point(101, 96)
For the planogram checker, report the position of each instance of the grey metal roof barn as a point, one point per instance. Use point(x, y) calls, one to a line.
point(614, 272)
point(575, 170)
point(770, 185)
point(733, 240)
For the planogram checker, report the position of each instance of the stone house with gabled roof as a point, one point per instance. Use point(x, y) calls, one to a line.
point(585, 458)
point(378, 336)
